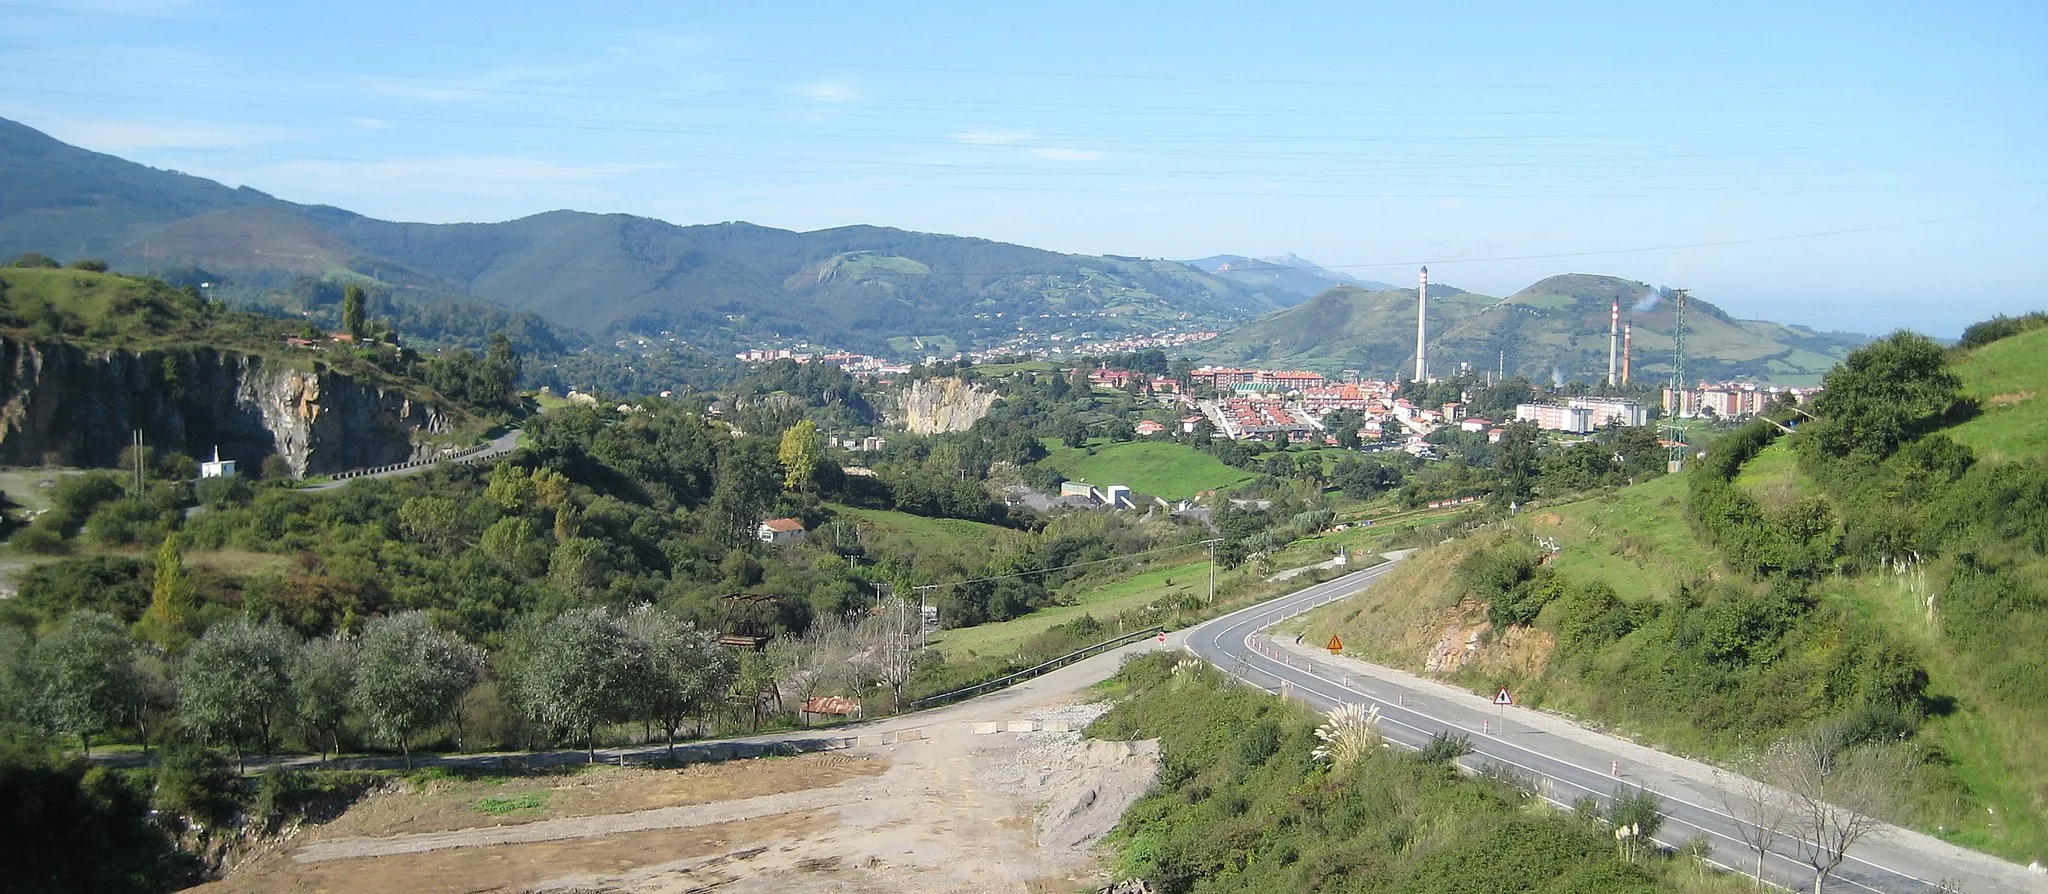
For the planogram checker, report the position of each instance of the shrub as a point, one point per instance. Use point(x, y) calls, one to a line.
point(198, 785)
point(1444, 748)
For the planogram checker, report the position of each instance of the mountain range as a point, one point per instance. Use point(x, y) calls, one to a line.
point(860, 287)
point(869, 288)
point(1289, 273)
point(1555, 329)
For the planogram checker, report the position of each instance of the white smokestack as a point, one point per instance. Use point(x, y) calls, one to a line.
point(1613, 332)
point(1628, 332)
point(1422, 328)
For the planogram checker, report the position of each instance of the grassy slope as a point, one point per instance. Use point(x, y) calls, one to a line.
point(1184, 577)
point(2005, 378)
point(1638, 541)
point(937, 546)
point(1174, 471)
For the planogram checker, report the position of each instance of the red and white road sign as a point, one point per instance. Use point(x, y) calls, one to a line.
point(1503, 698)
point(1162, 636)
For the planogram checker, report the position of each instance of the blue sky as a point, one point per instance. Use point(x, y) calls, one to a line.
point(1497, 142)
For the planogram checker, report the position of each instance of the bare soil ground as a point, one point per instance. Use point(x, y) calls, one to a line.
point(955, 810)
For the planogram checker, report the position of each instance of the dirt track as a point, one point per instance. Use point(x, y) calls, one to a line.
point(954, 810)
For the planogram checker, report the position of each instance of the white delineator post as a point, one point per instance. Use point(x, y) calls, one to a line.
point(1422, 328)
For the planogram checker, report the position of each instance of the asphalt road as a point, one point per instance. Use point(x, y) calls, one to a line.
point(1569, 762)
point(498, 446)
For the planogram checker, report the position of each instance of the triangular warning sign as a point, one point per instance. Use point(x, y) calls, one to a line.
point(1503, 698)
point(1336, 645)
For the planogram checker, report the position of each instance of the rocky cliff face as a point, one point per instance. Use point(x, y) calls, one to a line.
point(931, 406)
point(62, 403)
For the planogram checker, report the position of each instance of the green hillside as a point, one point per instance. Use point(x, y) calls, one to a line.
point(1555, 327)
point(2006, 378)
point(111, 310)
point(1893, 599)
point(1164, 469)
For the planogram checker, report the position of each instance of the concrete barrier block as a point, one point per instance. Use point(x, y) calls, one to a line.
point(983, 729)
point(910, 735)
point(1057, 726)
point(1023, 726)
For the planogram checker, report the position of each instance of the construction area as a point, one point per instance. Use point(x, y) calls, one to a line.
point(997, 794)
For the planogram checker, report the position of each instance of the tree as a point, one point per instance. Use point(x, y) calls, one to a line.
point(409, 676)
point(801, 453)
point(1760, 810)
point(352, 312)
point(235, 682)
point(322, 674)
point(82, 677)
point(580, 669)
point(431, 520)
point(171, 600)
point(1836, 793)
point(805, 666)
point(745, 485)
point(1073, 432)
point(498, 379)
point(686, 669)
point(1882, 395)
point(887, 652)
point(1516, 463)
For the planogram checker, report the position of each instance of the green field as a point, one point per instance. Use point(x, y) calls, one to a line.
point(937, 547)
point(1173, 471)
point(2006, 378)
point(1773, 477)
point(1185, 577)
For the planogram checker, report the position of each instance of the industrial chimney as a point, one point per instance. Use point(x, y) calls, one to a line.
point(1422, 328)
point(1613, 333)
point(1628, 331)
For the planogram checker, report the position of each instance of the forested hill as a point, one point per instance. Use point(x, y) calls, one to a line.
point(1554, 328)
point(862, 287)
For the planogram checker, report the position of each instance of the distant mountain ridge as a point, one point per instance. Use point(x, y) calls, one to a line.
point(1289, 272)
point(1554, 328)
point(862, 287)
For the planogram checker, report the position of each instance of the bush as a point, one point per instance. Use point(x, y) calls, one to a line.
point(41, 539)
point(198, 785)
point(70, 827)
point(1444, 748)
point(285, 795)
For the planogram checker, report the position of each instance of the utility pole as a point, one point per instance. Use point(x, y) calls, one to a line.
point(1211, 544)
point(1678, 383)
point(923, 639)
point(138, 464)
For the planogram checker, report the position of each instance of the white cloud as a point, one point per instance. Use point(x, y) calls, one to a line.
point(990, 137)
point(1062, 153)
point(368, 123)
point(830, 91)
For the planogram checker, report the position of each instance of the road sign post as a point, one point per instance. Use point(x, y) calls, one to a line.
point(1501, 701)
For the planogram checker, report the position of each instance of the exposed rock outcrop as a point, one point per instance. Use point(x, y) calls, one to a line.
point(65, 404)
point(932, 406)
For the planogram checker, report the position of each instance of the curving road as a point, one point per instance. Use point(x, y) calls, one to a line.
point(1569, 762)
point(498, 446)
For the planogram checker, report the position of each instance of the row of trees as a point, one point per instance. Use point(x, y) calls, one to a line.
point(246, 681)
